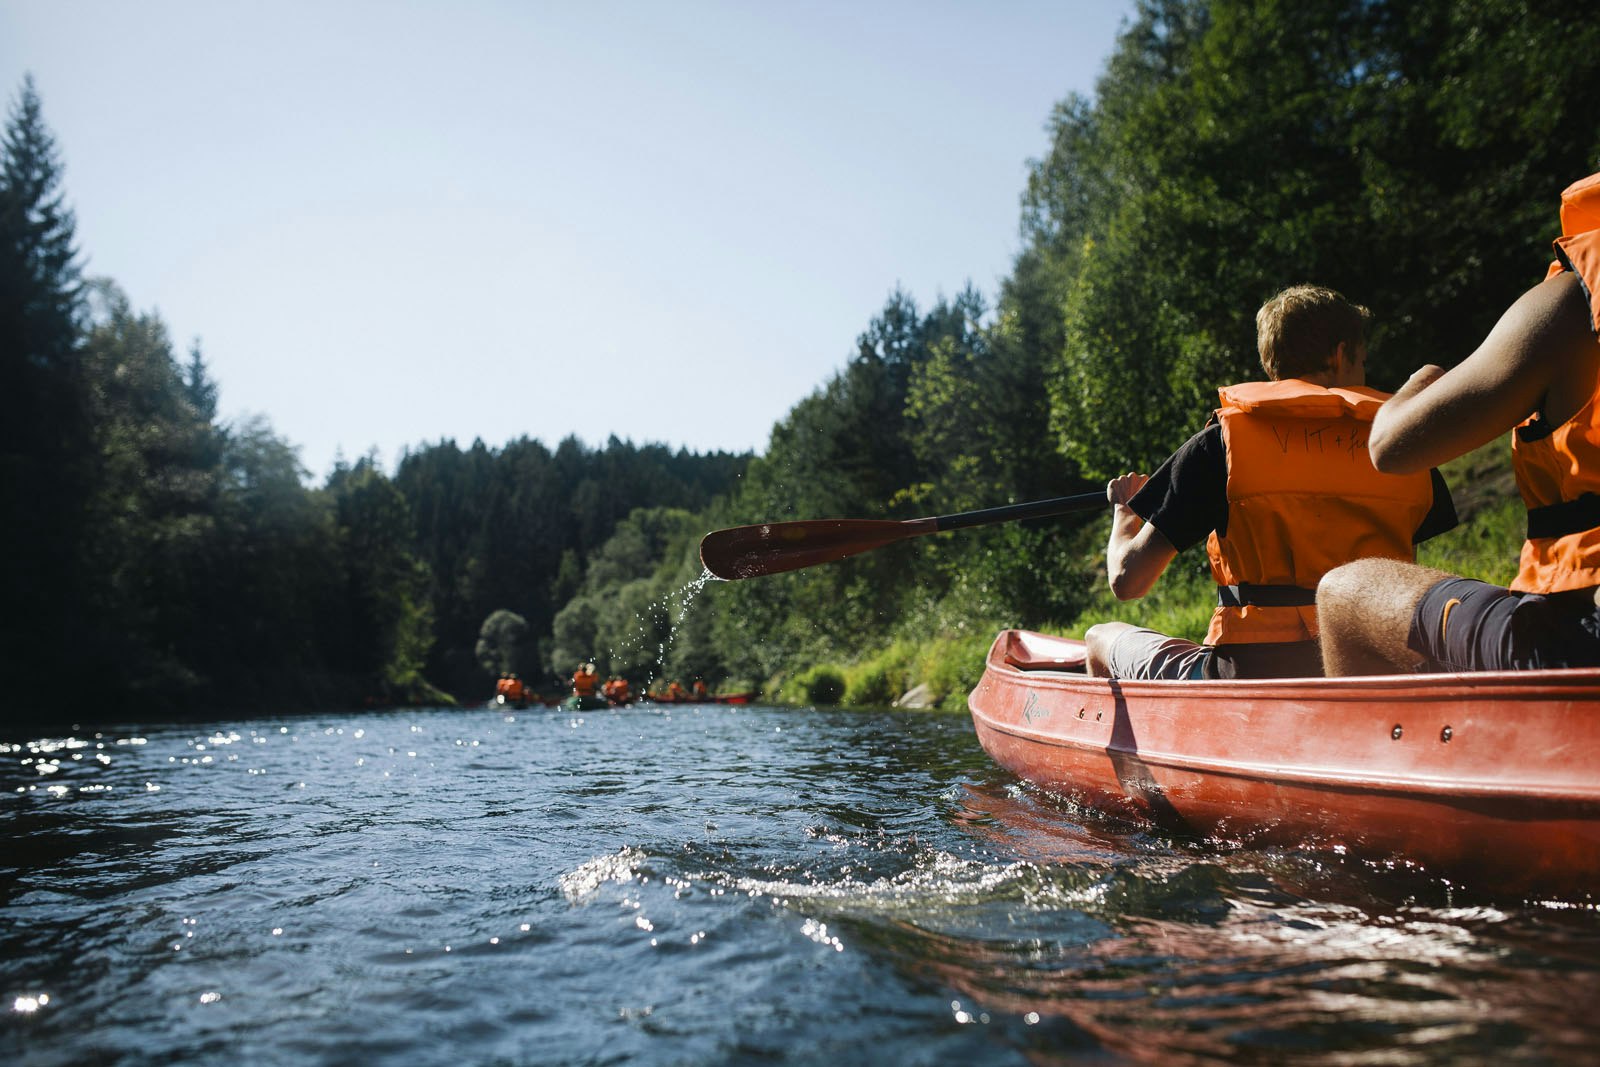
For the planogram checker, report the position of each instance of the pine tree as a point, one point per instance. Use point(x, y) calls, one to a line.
point(198, 385)
point(41, 287)
point(45, 450)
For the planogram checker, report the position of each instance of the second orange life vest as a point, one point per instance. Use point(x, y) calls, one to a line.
point(1558, 472)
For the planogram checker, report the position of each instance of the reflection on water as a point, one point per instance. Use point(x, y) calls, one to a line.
point(706, 885)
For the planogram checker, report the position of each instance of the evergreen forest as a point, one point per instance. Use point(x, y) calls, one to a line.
point(162, 562)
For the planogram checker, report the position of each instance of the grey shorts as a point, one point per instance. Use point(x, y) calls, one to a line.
point(1146, 654)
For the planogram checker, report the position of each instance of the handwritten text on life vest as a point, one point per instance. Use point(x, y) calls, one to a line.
point(1333, 437)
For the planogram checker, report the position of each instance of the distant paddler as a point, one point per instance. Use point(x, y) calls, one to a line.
point(585, 690)
point(510, 690)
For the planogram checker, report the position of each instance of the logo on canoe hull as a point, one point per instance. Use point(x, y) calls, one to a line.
point(1031, 709)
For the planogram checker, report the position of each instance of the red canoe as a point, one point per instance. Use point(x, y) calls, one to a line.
point(1490, 780)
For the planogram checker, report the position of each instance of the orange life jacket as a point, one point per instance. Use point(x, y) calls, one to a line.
point(583, 683)
point(1303, 497)
point(514, 690)
point(1559, 473)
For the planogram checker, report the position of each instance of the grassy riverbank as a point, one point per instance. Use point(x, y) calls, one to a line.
point(946, 666)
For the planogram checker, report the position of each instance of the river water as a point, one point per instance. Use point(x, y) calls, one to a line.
point(706, 885)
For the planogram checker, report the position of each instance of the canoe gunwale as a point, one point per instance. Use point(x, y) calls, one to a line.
point(1417, 687)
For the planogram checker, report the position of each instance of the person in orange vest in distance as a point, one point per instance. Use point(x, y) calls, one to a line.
point(585, 680)
point(676, 691)
point(699, 689)
point(515, 692)
point(1537, 373)
point(1280, 487)
point(616, 691)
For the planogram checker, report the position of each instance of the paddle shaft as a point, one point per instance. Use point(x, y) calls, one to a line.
point(1037, 509)
point(771, 548)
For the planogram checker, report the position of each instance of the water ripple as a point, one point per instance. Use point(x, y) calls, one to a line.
point(705, 885)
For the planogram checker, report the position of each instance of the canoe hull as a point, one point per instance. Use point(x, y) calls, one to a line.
point(1490, 780)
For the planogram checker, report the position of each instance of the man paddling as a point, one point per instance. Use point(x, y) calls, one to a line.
point(585, 681)
point(1280, 486)
point(1538, 373)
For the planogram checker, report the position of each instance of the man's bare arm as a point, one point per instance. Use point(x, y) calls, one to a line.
point(1137, 553)
point(1542, 344)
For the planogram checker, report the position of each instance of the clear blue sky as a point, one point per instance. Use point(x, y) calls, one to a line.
point(394, 222)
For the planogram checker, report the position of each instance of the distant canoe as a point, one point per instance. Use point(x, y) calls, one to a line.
point(1487, 779)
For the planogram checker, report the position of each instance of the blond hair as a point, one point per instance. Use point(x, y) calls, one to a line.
point(1298, 330)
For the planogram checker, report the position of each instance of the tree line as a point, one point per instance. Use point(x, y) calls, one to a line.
point(160, 562)
point(1408, 154)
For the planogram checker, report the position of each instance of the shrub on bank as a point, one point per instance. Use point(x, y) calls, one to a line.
point(952, 665)
point(880, 681)
point(822, 683)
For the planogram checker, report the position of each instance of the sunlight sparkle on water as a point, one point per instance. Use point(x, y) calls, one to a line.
point(27, 1005)
point(620, 867)
point(818, 932)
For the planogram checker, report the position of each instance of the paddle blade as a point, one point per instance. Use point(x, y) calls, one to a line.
point(775, 547)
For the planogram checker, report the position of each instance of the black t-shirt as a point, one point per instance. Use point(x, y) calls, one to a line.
point(1187, 497)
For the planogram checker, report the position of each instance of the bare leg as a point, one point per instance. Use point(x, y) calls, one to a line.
point(1364, 611)
point(1099, 639)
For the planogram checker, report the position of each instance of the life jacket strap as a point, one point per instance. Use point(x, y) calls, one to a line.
point(1566, 517)
point(1265, 596)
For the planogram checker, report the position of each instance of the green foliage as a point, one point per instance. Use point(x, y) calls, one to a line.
point(1486, 549)
point(951, 666)
point(821, 684)
point(634, 613)
point(152, 511)
point(881, 680)
point(47, 453)
point(574, 639)
point(41, 298)
point(390, 619)
point(1238, 147)
point(503, 644)
point(517, 527)
point(1488, 542)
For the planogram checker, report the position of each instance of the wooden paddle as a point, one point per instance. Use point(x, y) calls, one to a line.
point(774, 547)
